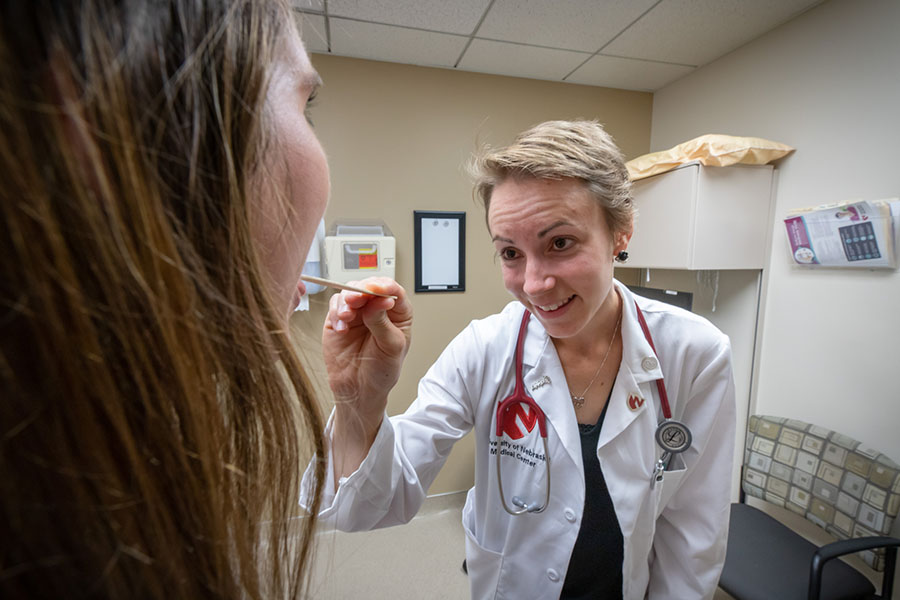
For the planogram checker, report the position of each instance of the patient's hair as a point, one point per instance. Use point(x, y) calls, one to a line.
point(154, 417)
point(557, 150)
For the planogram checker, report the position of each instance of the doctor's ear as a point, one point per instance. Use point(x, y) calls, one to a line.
point(622, 238)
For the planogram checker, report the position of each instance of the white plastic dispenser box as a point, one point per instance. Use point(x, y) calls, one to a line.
point(358, 249)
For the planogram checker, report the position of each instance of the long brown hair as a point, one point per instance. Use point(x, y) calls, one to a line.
point(154, 418)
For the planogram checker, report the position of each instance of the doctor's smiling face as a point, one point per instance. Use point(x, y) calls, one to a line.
point(556, 250)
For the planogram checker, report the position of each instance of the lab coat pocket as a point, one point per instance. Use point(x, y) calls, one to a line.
point(666, 488)
point(483, 565)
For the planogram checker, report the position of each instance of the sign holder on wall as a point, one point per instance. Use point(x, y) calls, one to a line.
point(852, 234)
point(440, 249)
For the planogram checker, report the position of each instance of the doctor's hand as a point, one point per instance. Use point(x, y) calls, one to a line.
point(364, 342)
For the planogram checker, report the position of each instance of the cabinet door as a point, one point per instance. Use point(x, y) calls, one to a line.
point(699, 217)
point(664, 229)
point(732, 220)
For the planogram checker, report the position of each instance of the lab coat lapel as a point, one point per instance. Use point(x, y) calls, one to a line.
point(541, 361)
point(634, 392)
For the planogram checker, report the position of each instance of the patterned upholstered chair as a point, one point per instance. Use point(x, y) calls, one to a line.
point(841, 485)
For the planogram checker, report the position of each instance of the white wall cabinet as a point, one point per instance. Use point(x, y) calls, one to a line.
point(698, 217)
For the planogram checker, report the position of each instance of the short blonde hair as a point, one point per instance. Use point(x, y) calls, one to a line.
point(557, 150)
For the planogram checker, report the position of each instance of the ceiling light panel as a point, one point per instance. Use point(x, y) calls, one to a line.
point(516, 60)
point(450, 16)
point(627, 73)
point(314, 5)
point(312, 31)
point(584, 25)
point(696, 32)
point(394, 44)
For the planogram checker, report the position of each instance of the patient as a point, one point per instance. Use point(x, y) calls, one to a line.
point(160, 188)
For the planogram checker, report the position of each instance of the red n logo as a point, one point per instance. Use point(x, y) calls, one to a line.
point(635, 402)
point(514, 413)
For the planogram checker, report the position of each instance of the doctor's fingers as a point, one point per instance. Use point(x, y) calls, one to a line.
point(344, 308)
point(392, 337)
point(400, 311)
point(381, 285)
point(340, 315)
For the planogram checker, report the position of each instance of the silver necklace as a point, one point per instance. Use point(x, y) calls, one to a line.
point(578, 401)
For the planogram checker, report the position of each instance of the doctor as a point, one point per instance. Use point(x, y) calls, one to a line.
point(618, 523)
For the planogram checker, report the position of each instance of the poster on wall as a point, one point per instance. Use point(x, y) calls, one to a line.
point(856, 234)
point(440, 249)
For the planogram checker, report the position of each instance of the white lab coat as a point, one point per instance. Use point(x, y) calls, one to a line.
point(674, 534)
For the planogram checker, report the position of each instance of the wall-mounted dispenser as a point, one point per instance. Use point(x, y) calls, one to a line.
point(358, 249)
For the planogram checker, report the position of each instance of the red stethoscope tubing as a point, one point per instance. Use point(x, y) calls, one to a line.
point(660, 386)
point(519, 396)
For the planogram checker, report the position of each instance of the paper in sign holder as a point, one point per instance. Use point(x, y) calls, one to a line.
point(440, 251)
point(860, 234)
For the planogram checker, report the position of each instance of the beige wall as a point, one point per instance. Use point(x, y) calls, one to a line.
point(826, 84)
point(397, 137)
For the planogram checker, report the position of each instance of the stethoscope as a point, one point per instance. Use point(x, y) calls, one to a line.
point(672, 436)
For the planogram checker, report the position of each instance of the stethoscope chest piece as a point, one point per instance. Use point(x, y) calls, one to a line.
point(673, 436)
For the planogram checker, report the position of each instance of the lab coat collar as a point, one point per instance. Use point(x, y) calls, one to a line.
point(533, 352)
point(633, 373)
point(545, 381)
point(635, 347)
point(635, 350)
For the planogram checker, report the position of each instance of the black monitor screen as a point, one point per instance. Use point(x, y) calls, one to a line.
point(680, 299)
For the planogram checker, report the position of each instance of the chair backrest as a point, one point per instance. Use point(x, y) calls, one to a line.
point(838, 483)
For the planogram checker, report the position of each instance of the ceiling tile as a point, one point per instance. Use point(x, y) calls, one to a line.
point(394, 44)
point(584, 25)
point(456, 16)
point(312, 31)
point(696, 32)
point(314, 5)
point(516, 60)
point(627, 73)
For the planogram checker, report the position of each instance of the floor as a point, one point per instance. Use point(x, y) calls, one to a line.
point(422, 559)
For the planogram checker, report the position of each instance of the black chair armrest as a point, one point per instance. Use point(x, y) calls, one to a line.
point(843, 547)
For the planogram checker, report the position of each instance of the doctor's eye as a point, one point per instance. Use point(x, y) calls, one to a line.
point(562, 243)
point(508, 254)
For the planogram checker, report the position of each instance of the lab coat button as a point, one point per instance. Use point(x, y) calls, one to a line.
point(649, 363)
point(570, 515)
point(552, 575)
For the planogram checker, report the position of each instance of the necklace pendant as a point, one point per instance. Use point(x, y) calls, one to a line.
point(578, 401)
